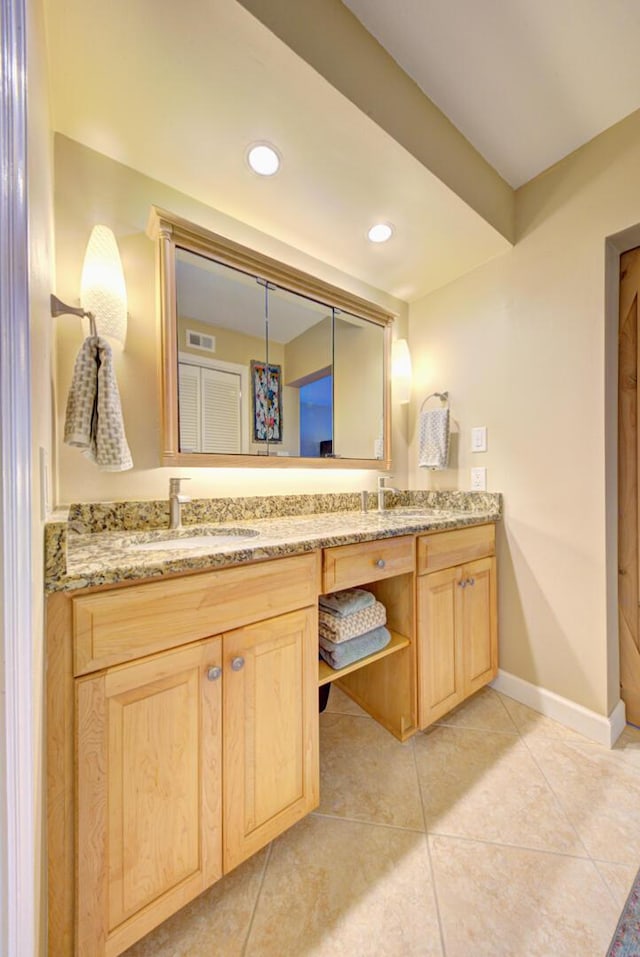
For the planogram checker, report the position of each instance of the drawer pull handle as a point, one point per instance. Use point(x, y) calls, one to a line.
point(381, 563)
point(214, 673)
point(237, 664)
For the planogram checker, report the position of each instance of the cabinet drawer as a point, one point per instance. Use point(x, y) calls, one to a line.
point(445, 549)
point(349, 565)
point(116, 626)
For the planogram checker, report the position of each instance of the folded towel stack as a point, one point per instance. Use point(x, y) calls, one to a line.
point(351, 626)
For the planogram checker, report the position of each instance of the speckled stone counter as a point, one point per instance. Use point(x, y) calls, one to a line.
point(107, 543)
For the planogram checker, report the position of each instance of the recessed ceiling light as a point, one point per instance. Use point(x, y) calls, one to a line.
point(380, 233)
point(263, 159)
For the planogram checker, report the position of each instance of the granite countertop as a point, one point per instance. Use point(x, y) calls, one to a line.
point(96, 546)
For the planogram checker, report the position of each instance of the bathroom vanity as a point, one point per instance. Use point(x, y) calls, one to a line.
point(183, 692)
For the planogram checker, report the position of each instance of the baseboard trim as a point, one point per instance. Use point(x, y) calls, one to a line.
point(603, 730)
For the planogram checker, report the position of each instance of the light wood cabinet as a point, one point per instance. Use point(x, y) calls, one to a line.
point(168, 769)
point(457, 633)
point(188, 763)
point(182, 714)
point(149, 825)
point(271, 731)
point(346, 566)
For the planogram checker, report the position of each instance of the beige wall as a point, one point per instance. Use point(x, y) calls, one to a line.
point(358, 388)
point(230, 346)
point(309, 354)
point(40, 186)
point(90, 188)
point(520, 345)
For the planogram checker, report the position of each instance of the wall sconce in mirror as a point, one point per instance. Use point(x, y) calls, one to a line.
point(401, 370)
point(103, 293)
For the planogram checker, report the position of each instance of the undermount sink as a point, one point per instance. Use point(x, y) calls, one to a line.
point(418, 510)
point(204, 538)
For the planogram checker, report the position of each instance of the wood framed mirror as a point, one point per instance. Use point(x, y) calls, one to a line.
point(265, 365)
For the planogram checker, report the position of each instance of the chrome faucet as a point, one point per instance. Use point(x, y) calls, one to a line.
point(176, 499)
point(382, 488)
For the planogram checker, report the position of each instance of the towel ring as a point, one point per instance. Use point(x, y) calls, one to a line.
point(443, 396)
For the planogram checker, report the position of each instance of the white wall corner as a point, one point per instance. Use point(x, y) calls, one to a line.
point(597, 727)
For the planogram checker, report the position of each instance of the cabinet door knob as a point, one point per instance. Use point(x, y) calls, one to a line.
point(471, 581)
point(214, 673)
point(462, 584)
point(381, 563)
point(237, 663)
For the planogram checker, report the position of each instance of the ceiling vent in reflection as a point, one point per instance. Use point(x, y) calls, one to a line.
point(198, 340)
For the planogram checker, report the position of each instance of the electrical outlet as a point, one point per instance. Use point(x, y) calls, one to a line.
point(478, 479)
point(479, 438)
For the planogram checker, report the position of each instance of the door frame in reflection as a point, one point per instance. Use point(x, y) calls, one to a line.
point(221, 365)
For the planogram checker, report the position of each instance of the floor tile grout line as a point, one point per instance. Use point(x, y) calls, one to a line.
point(602, 860)
point(500, 698)
point(429, 857)
point(605, 883)
point(558, 801)
point(514, 847)
point(526, 735)
point(258, 896)
point(556, 798)
point(349, 714)
point(468, 727)
point(516, 730)
point(359, 820)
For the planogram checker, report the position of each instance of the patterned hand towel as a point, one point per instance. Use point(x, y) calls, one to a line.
point(346, 602)
point(93, 419)
point(337, 629)
point(433, 439)
point(356, 648)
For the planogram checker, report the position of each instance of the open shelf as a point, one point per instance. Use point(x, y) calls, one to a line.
point(326, 673)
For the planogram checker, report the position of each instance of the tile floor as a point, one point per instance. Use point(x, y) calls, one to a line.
point(497, 832)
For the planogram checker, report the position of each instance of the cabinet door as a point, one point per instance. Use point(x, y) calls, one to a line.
point(479, 624)
point(440, 652)
point(149, 792)
point(270, 755)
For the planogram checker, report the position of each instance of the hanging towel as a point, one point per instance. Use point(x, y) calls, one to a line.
point(337, 629)
point(356, 648)
point(346, 602)
point(433, 439)
point(93, 420)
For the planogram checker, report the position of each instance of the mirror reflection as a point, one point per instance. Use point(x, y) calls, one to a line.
point(263, 370)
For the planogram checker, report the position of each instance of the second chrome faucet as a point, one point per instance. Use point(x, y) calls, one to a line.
point(382, 489)
point(176, 501)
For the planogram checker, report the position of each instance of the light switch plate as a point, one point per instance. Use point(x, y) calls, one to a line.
point(479, 438)
point(478, 479)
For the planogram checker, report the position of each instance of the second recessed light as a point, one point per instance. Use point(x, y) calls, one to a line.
point(380, 233)
point(263, 159)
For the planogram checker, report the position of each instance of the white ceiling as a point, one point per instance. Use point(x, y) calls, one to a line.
point(526, 81)
point(179, 91)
